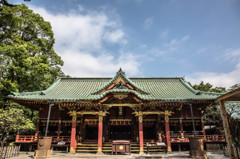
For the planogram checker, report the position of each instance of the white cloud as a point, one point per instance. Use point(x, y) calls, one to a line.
point(85, 64)
point(115, 36)
point(220, 79)
point(174, 45)
point(148, 23)
point(81, 39)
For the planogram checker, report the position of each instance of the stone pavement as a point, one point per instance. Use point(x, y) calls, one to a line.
point(172, 155)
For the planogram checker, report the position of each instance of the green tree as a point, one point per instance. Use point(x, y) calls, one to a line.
point(28, 61)
point(208, 87)
point(13, 120)
point(27, 58)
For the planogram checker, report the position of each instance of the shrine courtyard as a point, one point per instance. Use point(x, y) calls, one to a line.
point(172, 155)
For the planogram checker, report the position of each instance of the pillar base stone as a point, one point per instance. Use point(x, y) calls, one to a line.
point(72, 150)
point(40, 154)
point(141, 151)
point(100, 151)
point(169, 149)
point(196, 154)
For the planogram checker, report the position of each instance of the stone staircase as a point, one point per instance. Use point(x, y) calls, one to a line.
point(92, 147)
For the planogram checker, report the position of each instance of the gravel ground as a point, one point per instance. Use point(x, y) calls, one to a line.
point(172, 155)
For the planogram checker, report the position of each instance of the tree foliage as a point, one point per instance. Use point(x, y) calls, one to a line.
point(13, 120)
point(27, 58)
point(28, 62)
point(208, 87)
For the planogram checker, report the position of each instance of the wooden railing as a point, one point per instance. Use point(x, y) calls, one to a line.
point(207, 138)
point(32, 138)
point(174, 139)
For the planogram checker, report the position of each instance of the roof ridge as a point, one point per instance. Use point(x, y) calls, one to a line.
point(52, 86)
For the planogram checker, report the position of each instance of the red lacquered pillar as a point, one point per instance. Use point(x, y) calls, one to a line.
point(181, 128)
point(73, 132)
point(140, 126)
point(167, 131)
point(100, 131)
point(17, 137)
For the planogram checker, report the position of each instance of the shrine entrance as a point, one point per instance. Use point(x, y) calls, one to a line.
point(120, 132)
point(91, 132)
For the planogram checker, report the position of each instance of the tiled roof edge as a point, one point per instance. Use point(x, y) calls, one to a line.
point(182, 80)
point(197, 92)
point(24, 93)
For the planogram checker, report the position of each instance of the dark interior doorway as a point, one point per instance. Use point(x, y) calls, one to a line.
point(149, 132)
point(120, 132)
point(91, 132)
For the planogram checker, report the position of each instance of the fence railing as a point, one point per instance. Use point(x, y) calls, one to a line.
point(32, 138)
point(206, 138)
point(9, 151)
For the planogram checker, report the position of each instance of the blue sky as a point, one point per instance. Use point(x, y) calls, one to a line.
point(197, 39)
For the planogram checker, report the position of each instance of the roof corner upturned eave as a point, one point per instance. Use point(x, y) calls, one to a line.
point(23, 95)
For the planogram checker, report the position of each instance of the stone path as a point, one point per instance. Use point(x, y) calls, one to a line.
point(173, 155)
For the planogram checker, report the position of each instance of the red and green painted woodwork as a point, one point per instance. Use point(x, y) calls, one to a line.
point(73, 142)
point(140, 117)
point(167, 131)
point(100, 132)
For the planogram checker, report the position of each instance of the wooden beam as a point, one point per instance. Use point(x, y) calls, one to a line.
point(231, 99)
point(227, 130)
point(153, 112)
point(230, 94)
point(121, 105)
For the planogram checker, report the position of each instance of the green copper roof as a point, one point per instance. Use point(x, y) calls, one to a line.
point(72, 89)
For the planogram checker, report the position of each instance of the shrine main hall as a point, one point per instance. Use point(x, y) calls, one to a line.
point(90, 113)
